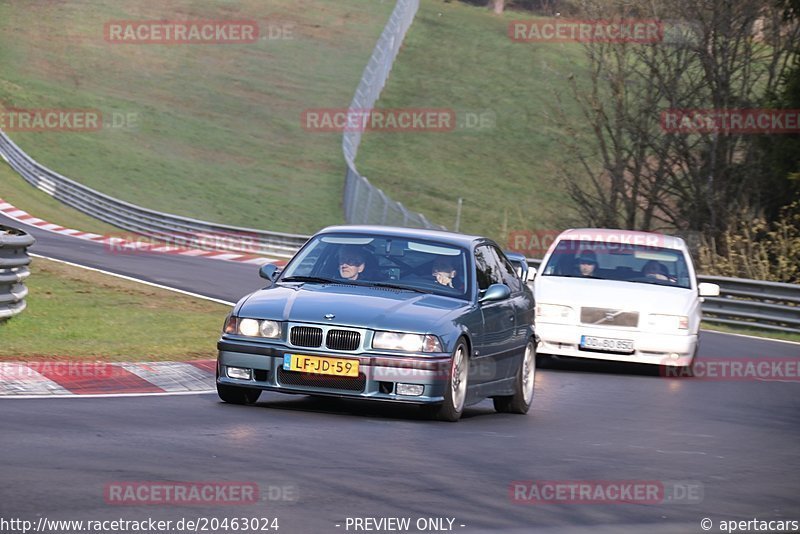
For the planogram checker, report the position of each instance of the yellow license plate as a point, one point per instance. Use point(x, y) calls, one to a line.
point(320, 365)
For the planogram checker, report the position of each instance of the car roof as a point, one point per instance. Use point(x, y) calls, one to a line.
point(450, 238)
point(611, 235)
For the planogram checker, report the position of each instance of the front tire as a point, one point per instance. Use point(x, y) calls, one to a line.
point(456, 392)
point(238, 395)
point(520, 402)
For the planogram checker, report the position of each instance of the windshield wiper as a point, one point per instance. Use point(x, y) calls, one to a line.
point(312, 279)
point(397, 286)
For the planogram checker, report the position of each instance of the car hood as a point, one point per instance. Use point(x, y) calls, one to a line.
point(643, 297)
point(354, 306)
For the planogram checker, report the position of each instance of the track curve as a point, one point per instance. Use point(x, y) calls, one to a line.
point(735, 440)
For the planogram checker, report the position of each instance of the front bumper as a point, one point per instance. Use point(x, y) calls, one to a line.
point(378, 377)
point(654, 348)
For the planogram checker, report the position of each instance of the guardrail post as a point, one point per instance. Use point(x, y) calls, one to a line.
point(14, 261)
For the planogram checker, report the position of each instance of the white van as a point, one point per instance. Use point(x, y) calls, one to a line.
point(619, 295)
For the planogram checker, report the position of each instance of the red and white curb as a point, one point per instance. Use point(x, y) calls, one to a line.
point(80, 378)
point(117, 245)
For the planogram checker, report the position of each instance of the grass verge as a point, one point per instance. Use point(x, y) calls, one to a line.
point(76, 314)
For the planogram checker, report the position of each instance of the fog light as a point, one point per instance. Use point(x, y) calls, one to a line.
point(411, 390)
point(674, 355)
point(239, 372)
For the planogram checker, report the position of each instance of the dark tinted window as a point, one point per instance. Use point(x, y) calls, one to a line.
point(396, 260)
point(487, 267)
point(507, 271)
point(620, 261)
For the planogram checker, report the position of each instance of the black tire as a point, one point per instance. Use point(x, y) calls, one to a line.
point(237, 394)
point(520, 402)
point(455, 394)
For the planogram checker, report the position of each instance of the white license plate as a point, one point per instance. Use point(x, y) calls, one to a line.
point(606, 344)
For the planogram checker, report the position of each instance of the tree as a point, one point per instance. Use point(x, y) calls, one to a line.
point(783, 151)
point(634, 173)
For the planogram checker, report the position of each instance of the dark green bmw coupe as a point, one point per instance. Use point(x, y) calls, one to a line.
point(401, 315)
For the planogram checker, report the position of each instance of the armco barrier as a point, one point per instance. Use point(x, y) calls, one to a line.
point(748, 303)
point(142, 220)
point(14, 261)
point(767, 305)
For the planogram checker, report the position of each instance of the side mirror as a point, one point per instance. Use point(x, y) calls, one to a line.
point(495, 292)
point(531, 274)
point(269, 272)
point(708, 290)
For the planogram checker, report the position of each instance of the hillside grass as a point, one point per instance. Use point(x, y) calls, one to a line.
point(460, 57)
point(77, 314)
point(217, 131)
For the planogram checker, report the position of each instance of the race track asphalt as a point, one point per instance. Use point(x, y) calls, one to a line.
point(723, 449)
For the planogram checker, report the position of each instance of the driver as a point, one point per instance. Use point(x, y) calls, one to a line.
point(351, 262)
point(656, 270)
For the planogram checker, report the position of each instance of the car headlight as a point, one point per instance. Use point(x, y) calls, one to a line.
point(253, 327)
point(406, 342)
point(553, 311)
point(667, 323)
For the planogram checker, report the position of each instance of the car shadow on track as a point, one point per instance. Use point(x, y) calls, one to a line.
point(360, 408)
point(583, 365)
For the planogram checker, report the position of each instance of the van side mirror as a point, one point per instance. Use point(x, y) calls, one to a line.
point(708, 290)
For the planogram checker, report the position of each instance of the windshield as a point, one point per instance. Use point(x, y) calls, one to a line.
point(614, 261)
point(394, 262)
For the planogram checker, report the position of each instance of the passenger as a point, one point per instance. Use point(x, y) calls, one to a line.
point(444, 271)
point(656, 270)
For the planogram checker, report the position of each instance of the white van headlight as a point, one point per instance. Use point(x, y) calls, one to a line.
point(667, 323)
